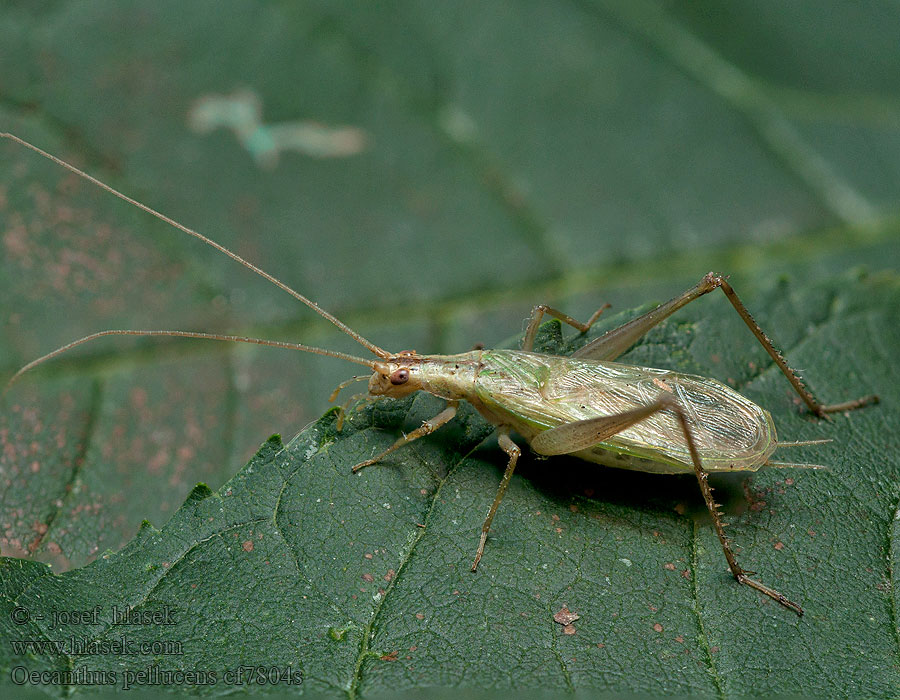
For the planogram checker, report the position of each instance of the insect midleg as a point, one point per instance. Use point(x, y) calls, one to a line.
point(537, 313)
point(572, 437)
point(615, 342)
point(514, 451)
point(427, 428)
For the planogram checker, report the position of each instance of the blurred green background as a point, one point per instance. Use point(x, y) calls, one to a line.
point(515, 153)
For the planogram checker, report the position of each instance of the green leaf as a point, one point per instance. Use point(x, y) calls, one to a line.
point(570, 154)
point(362, 582)
point(517, 153)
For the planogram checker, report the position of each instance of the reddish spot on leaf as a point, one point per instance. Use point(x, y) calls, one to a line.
point(247, 546)
point(657, 627)
point(565, 617)
point(368, 578)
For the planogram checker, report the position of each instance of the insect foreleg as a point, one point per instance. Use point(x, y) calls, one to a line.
point(579, 435)
point(363, 398)
point(513, 450)
point(537, 313)
point(426, 428)
point(612, 344)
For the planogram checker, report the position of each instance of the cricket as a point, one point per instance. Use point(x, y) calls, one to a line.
point(585, 405)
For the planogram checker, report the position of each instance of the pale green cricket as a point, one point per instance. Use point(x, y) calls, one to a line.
point(585, 405)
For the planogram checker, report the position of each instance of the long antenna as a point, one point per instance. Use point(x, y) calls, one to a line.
point(188, 334)
point(191, 232)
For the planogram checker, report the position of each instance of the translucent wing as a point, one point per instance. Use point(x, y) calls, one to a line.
point(539, 391)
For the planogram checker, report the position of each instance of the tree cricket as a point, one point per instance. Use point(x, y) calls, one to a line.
point(585, 405)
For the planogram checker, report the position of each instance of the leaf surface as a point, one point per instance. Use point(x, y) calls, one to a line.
point(518, 153)
point(362, 583)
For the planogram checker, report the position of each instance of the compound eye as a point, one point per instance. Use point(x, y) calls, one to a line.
point(400, 376)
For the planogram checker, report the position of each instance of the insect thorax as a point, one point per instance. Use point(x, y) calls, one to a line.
point(451, 376)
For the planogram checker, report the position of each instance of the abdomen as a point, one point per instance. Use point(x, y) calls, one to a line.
point(533, 392)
